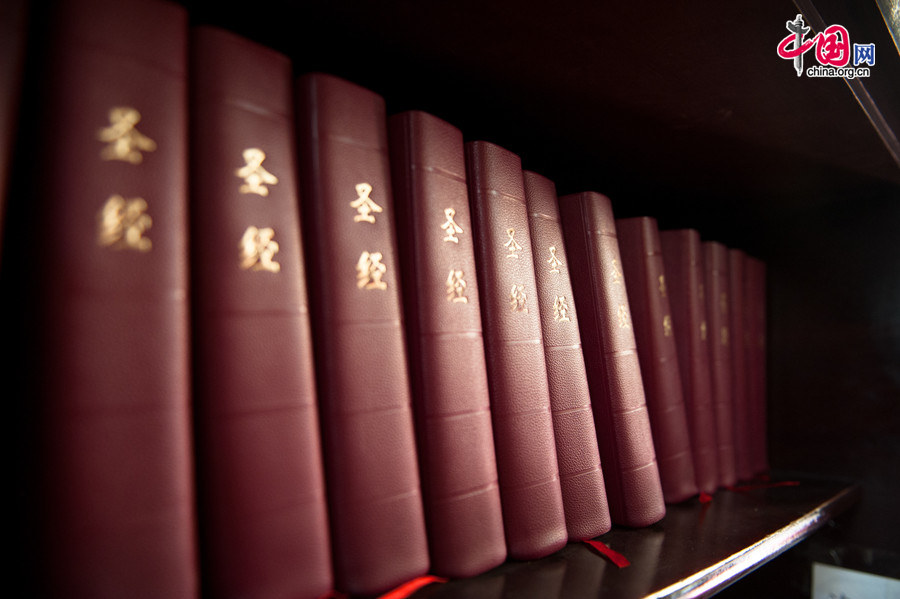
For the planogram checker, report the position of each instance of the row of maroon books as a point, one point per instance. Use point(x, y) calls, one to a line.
point(299, 346)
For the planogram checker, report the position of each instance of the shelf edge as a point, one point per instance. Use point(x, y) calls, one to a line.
point(721, 574)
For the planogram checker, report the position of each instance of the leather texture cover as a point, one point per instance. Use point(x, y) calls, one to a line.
point(517, 374)
point(451, 398)
point(683, 258)
point(263, 515)
point(580, 475)
point(376, 513)
point(610, 353)
point(715, 268)
point(643, 268)
point(743, 463)
point(755, 330)
point(118, 497)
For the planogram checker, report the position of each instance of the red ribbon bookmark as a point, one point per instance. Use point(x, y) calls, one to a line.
point(401, 592)
point(614, 556)
point(408, 588)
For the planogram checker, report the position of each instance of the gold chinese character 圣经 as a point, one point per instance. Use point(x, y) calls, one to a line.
point(511, 244)
point(560, 309)
point(662, 285)
point(553, 261)
point(258, 248)
point(255, 176)
point(364, 205)
point(124, 142)
point(456, 287)
point(703, 330)
point(121, 224)
point(450, 226)
point(667, 326)
point(369, 271)
point(517, 299)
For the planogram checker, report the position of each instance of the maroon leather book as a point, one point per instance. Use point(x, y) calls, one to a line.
point(755, 335)
point(446, 346)
point(580, 475)
point(742, 453)
point(643, 268)
point(371, 470)
point(13, 41)
point(259, 462)
point(117, 501)
point(517, 373)
point(610, 353)
point(715, 265)
point(683, 258)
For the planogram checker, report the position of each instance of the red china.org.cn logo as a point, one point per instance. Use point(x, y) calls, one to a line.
point(833, 51)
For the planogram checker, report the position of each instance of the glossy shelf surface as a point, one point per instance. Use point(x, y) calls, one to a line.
point(695, 551)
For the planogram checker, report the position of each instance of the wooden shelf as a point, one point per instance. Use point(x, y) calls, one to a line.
point(695, 551)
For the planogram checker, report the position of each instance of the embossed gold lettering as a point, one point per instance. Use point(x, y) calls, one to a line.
point(511, 244)
point(560, 309)
point(258, 248)
point(456, 287)
point(364, 205)
point(255, 176)
point(370, 270)
point(624, 318)
point(554, 261)
point(517, 299)
point(617, 272)
point(124, 141)
point(122, 223)
point(450, 227)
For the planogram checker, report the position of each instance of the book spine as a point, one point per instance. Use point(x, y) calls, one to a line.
point(643, 268)
point(264, 520)
point(581, 478)
point(13, 43)
point(610, 351)
point(376, 513)
point(517, 374)
point(755, 335)
point(715, 264)
point(451, 398)
point(16, 281)
point(683, 258)
point(118, 514)
point(736, 265)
